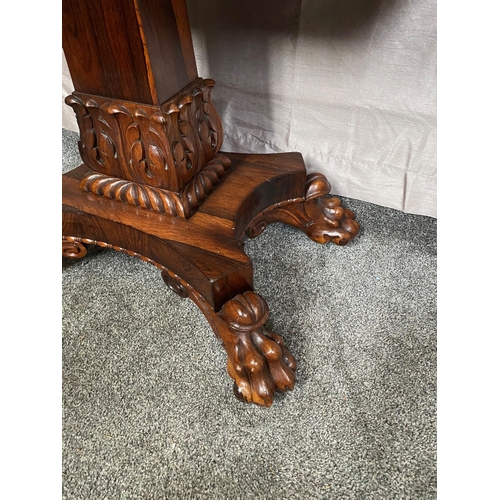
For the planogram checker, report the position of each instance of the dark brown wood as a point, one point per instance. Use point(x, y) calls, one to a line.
point(155, 185)
point(258, 361)
point(203, 257)
point(148, 128)
point(322, 219)
point(134, 50)
point(206, 249)
point(163, 158)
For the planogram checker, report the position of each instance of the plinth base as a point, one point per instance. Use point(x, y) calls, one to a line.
point(202, 257)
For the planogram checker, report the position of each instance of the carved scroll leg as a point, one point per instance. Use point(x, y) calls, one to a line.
point(322, 219)
point(257, 360)
point(77, 248)
point(73, 248)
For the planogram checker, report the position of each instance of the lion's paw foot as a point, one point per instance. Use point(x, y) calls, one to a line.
point(258, 361)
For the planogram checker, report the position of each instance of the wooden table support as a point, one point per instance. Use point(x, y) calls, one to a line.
point(155, 184)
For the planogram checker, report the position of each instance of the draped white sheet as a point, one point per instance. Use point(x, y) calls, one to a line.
point(351, 84)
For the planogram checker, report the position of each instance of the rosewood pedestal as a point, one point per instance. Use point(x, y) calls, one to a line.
point(155, 184)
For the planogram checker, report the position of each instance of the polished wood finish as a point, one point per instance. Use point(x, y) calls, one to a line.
point(203, 257)
point(154, 184)
point(149, 131)
point(206, 249)
point(162, 158)
point(258, 361)
point(322, 219)
point(134, 50)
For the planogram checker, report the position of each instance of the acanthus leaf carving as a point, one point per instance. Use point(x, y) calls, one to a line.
point(164, 147)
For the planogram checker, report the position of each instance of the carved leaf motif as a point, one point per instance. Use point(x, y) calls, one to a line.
point(159, 117)
point(156, 161)
point(132, 134)
point(212, 124)
point(189, 149)
point(188, 144)
point(245, 312)
point(157, 150)
point(107, 148)
point(86, 122)
point(89, 141)
point(103, 122)
point(136, 154)
point(210, 118)
point(115, 109)
point(78, 106)
point(140, 113)
point(141, 143)
point(185, 128)
point(179, 157)
point(187, 137)
point(91, 153)
point(204, 132)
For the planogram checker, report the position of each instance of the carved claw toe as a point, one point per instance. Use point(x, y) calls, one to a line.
point(258, 361)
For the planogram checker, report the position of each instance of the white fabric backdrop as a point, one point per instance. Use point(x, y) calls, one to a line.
point(351, 84)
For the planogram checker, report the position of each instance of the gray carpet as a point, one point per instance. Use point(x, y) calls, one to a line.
point(148, 409)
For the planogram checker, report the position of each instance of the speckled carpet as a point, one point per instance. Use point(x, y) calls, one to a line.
point(148, 409)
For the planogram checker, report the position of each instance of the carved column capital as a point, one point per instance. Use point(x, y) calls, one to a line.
point(162, 158)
